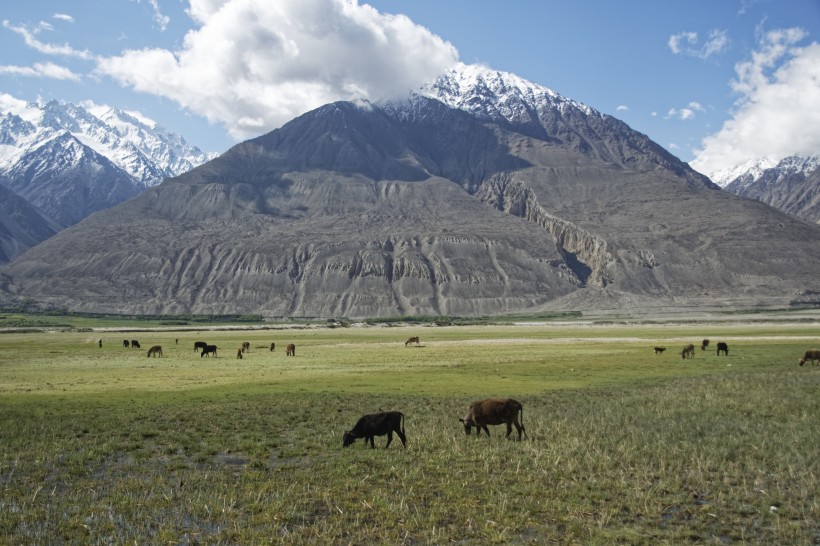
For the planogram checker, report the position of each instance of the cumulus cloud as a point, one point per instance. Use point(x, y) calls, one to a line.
point(41, 70)
point(778, 112)
point(30, 38)
point(688, 43)
point(253, 65)
point(64, 17)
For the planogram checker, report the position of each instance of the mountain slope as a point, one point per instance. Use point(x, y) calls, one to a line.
point(418, 208)
point(21, 225)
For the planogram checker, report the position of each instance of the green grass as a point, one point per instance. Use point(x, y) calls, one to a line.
point(104, 445)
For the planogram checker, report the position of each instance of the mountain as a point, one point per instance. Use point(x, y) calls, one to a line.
point(71, 160)
point(481, 194)
point(21, 225)
point(791, 185)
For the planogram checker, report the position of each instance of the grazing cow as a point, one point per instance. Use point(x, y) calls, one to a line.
point(100, 342)
point(688, 351)
point(272, 346)
point(239, 353)
point(659, 350)
point(135, 344)
point(704, 344)
point(377, 424)
point(156, 350)
point(722, 348)
point(246, 346)
point(199, 345)
point(291, 349)
point(495, 411)
point(414, 339)
point(812, 355)
point(207, 350)
point(125, 343)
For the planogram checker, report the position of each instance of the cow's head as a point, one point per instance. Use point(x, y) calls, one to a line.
point(468, 424)
point(348, 438)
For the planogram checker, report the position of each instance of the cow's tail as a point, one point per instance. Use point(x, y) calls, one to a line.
point(523, 428)
point(402, 422)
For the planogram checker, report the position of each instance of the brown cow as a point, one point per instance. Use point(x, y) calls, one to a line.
point(291, 349)
point(812, 355)
point(156, 350)
point(494, 411)
point(659, 350)
point(246, 346)
point(377, 424)
point(414, 339)
point(688, 351)
point(272, 346)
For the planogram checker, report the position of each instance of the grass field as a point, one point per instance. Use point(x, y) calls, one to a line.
point(102, 445)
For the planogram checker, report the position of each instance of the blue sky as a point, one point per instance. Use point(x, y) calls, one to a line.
point(715, 81)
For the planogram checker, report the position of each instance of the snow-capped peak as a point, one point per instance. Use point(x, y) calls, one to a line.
point(490, 93)
point(750, 171)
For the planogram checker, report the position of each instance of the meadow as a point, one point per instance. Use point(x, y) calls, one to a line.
point(102, 445)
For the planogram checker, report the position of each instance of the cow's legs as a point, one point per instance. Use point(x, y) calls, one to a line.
point(485, 429)
point(372, 443)
point(389, 439)
point(509, 429)
point(402, 437)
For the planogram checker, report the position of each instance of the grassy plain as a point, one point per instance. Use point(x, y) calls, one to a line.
point(104, 445)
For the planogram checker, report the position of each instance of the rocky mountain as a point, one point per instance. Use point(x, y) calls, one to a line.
point(71, 160)
point(792, 184)
point(481, 194)
point(21, 225)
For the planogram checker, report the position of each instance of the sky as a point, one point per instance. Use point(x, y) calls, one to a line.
point(715, 82)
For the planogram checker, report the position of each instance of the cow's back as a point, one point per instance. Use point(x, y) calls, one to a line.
point(494, 411)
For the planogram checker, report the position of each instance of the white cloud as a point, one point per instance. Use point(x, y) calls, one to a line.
point(41, 70)
point(622, 108)
point(688, 43)
point(252, 65)
point(159, 19)
point(12, 104)
point(30, 39)
point(63, 17)
point(778, 112)
point(686, 113)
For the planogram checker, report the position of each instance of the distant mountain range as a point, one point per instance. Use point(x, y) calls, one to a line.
point(482, 194)
point(791, 184)
point(70, 161)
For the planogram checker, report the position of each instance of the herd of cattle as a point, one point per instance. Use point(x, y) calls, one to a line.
point(492, 411)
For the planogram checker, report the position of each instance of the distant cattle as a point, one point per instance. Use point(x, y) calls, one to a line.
point(377, 424)
point(722, 348)
point(688, 351)
point(414, 339)
point(495, 411)
point(156, 350)
point(812, 355)
point(100, 342)
point(704, 344)
point(272, 346)
point(291, 349)
point(135, 344)
point(246, 346)
point(199, 345)
point(659, 350)
point(208, 349)
point(125, 343)
point(239, 353)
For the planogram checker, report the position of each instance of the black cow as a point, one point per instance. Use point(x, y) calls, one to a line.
point(207, 349)
point(135, 344)
point(377, 424)
point(704, 344)
point(722, 348)
point(125, 343)
point(199, 345)
point(494, 411)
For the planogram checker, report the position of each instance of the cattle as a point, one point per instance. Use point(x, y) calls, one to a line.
point(377, 424)
point(812, 355)
point(100, 343)
point(199, 345)
point(722, 348)
point(704, 344)
point(239, 353)
point(207, 350)
point(290, 350)
point(156, 350)
point(272, 346)
point(125, 343)
point(246, 346)
point(659, 350)
point(495, 411)
point(414, 339)
point(688, 351)
point(135, 344)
